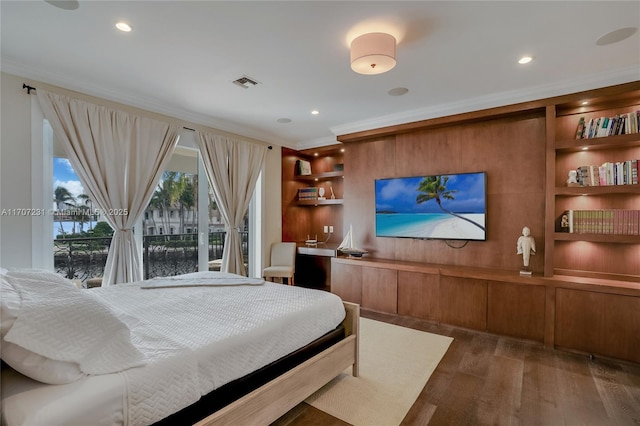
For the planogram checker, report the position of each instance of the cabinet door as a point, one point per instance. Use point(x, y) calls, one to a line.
point(599, 323)
point(463, 302)
point(380, 289)
point(516, 310)
point(418, 294)
point(346, 282)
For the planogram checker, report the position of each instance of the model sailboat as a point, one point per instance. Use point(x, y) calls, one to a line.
point(348, 247)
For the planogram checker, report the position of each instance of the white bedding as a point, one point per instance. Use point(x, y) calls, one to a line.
point(195, 339)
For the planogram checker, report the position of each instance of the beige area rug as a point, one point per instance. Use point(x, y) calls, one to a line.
point(395, 364)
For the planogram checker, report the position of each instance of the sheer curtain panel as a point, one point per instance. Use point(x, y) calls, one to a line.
point(232, 168)
point(119, 158)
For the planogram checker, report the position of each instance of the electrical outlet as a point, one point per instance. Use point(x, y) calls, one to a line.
point(331, 229)
point(326, 229)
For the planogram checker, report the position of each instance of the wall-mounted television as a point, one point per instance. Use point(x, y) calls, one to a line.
point(446, 206)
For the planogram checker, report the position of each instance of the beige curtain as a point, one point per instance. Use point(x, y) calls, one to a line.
point(232, 168)
point(119, 158)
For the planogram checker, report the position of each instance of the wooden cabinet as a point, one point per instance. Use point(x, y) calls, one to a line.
point(463, 302)
point(573, 313)
point(418, 294)
point(346, 281)
point(380, 290)
point(593, 252)
point(598, 323)
point(516, 310)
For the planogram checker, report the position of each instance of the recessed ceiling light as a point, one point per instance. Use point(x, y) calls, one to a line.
point(123, 26)
point(585, 102)
point(315, 154)
point(525, 60)
point(398, 91)
point(315, 112)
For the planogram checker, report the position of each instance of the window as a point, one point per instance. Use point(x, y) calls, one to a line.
point(81, 237)
point(80, 220)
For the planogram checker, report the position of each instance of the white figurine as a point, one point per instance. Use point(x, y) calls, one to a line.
point(526, 247)
point(573, 178)
point(321, 194)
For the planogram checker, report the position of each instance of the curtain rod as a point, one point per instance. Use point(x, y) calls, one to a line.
point(30, 88)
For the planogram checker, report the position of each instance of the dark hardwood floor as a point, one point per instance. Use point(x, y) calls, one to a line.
point(492, 380)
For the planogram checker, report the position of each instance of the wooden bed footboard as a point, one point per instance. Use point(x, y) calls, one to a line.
point(270, 401)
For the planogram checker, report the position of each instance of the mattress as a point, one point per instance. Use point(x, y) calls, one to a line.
point(195, 337)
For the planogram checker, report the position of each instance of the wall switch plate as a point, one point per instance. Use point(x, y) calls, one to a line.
point(326, 229)
point(331, 229)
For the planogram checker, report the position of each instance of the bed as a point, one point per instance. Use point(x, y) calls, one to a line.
point(139, 353)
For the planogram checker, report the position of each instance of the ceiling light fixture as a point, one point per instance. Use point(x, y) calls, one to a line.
point(123, 26)
point(525, 60)
point(373, 53)
point(315, 112)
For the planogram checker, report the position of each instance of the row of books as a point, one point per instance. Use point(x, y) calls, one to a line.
point(609, 173)
point(620, 124)
point(607, 221)
point(310, 193)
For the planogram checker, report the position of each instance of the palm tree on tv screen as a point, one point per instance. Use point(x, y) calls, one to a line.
point(435, 188)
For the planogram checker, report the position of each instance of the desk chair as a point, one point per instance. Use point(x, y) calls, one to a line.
point(283, 262)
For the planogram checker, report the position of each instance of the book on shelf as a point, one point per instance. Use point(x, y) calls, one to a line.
point(609, 173)
point(600, 221)
point(310, 193)
point(598, 127)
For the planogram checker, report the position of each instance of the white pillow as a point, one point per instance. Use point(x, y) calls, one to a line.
point(64, 323)
point(10, 299)
point(40, 368)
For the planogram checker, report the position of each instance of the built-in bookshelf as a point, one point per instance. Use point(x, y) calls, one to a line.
point(312, 200)
point(595, 135)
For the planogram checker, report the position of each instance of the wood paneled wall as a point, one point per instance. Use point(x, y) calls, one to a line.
point(512, 152)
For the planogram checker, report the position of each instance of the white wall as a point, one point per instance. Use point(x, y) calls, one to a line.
point(15, 171)
point(16, 176)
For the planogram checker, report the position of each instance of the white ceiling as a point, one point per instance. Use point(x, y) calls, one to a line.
point(182, 56)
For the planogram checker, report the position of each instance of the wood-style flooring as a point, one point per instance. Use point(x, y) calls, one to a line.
point(493, 380)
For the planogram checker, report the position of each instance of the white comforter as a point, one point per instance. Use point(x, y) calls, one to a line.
point(197, 338)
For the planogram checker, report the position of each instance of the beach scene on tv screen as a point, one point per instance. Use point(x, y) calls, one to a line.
point(440, 207)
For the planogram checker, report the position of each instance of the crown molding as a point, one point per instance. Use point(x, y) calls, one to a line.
point(592, 81)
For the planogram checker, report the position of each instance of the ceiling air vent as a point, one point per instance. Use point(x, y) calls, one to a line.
point(245, 82)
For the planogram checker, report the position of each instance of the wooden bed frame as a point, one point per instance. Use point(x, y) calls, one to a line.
point(270, 401)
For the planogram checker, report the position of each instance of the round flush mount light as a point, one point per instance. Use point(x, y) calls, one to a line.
point(525, 60)
point(373, 53)
point(616, 36)
point(123, 26)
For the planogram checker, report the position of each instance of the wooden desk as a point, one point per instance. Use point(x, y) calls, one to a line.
point(313, 265)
